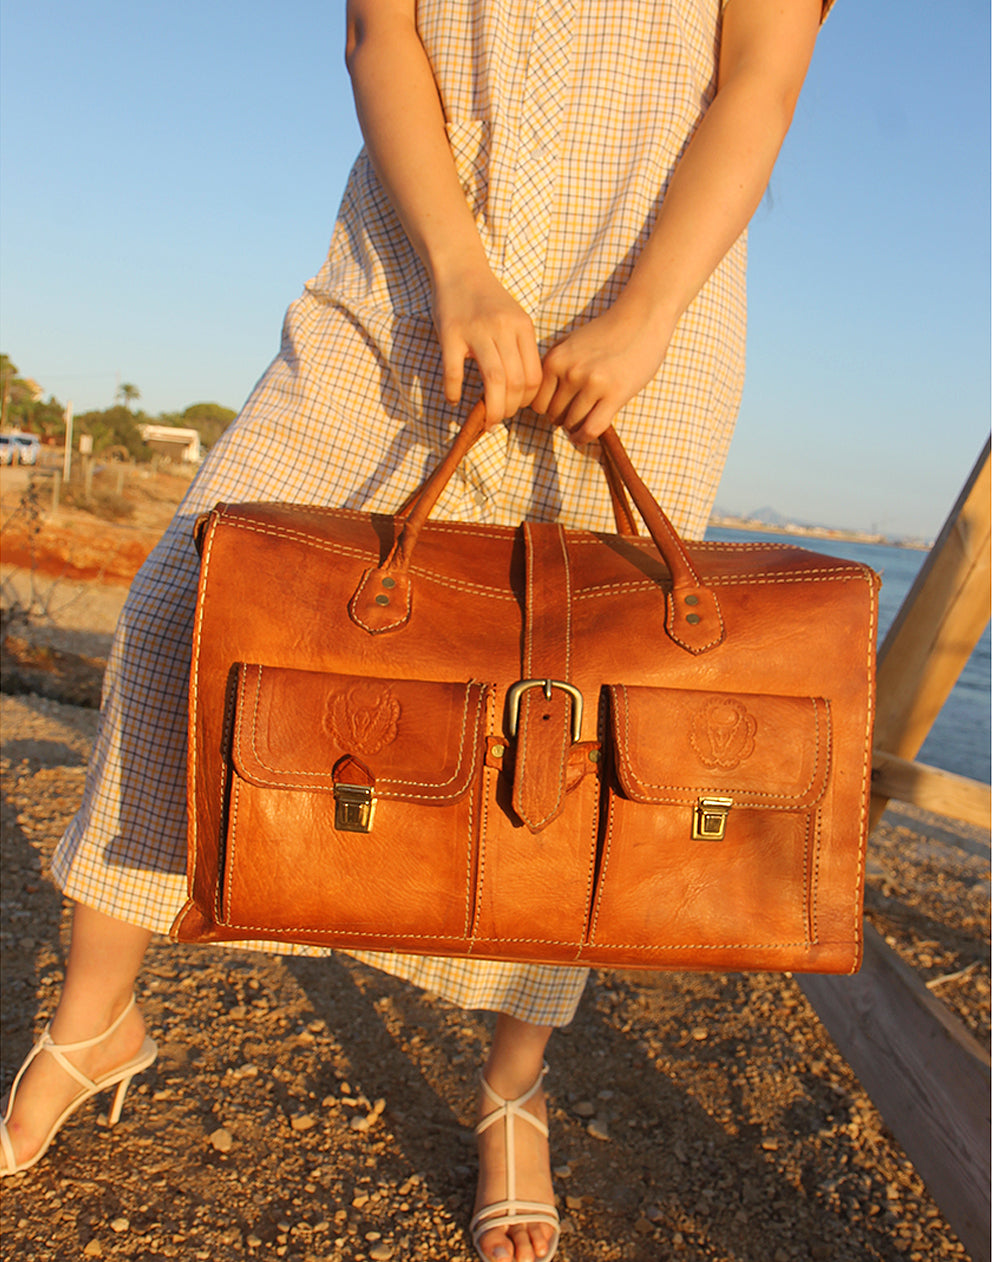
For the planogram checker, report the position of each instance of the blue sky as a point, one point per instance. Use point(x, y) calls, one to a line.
point(171, 173)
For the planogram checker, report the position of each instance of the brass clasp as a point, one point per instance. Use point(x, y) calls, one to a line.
point(354, 808)
point(516, 692)
point(709, 819)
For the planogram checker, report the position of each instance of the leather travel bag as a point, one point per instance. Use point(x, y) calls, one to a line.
point(528, 743)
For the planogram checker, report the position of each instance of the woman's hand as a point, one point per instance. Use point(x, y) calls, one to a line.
point(765, 50)
point(476, 318)
point(590, 375)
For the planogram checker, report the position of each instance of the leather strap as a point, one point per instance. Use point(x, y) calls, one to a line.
point(693, 620)
point(545, 719)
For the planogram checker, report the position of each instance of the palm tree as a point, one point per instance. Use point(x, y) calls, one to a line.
point(128, 394)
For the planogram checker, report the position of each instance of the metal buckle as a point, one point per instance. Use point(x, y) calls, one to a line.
point(354, 808)
point(518, 689)
point(709, 819)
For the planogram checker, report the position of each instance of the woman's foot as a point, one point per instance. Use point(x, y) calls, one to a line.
point(46, 1091)
point(514, 1169)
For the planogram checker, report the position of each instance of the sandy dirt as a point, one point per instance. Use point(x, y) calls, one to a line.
point(316, 1110)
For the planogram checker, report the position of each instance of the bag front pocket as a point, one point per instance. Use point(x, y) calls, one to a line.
point(710, 838)
point(353, 804)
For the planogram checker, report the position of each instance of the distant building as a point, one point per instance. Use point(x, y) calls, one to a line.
point(180, 445)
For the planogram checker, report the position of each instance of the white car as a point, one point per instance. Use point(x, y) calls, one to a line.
point(19, 449)
point(27, 448)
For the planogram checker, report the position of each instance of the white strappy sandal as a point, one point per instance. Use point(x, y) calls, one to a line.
point(121, 1077)
point(507, 1212)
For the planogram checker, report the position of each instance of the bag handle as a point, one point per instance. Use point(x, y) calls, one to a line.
point(693, 620)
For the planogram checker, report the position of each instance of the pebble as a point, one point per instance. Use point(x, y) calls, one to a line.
point(381, 1253)
point(222, 1139)
point(685, 1152)
point(303, 1122)
point(120, 1225)
point(597, 1129)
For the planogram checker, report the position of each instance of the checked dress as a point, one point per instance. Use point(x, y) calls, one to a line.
point(565, 119)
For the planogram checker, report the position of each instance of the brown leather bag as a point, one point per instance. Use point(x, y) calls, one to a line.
point(528, 743)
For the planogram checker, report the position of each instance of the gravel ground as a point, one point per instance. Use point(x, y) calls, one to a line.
point(316, 1110)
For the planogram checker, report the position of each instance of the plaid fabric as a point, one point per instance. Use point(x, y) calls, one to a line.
point(564, 131)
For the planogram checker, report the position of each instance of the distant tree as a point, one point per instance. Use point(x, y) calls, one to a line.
point(47, 419)
point(17, 393)
point(128, 393)
point(208, 419)
point(115, 427)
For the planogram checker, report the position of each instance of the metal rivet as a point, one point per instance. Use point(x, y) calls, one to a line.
point(693, 618)
point(692, 600)
point(382, 600)
point(389, 582)
point(594, 755)
point(498, 751)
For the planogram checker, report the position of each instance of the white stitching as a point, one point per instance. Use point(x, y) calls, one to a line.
point(563, 544)
point(393, 791)
point(673, 620)
point(788, 577)
point(194, 697)
point(787, 799)
point(866, 767)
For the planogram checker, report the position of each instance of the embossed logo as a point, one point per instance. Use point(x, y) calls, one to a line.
point(364, 719)
point(722, 733)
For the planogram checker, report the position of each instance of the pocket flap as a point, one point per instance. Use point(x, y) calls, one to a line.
point(420, 740)
point(673, 745)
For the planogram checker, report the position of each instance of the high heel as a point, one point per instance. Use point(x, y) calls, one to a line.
point(509, 1211)
point(121, 1077)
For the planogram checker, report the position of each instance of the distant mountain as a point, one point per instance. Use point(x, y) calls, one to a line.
point(772, 520)
point(771, 517)
point(766, 516)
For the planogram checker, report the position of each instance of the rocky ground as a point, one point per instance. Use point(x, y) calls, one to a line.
point(315, 1110)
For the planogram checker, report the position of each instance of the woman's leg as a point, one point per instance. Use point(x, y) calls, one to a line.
point(515, 1062)
point(104, 957)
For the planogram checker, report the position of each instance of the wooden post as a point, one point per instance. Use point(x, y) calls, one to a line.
point(931, 789)
point(938, 626)
point(67, 452)
point(924, 1072)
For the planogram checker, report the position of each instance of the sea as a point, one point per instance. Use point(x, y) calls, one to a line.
point(961, 738)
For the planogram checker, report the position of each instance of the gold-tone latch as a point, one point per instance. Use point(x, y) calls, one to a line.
point(354, 808)
point(709, 819)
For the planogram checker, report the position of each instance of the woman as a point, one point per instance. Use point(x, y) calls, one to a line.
point(554, 194)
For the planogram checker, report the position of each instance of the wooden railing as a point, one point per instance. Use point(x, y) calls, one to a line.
point(924, 1071)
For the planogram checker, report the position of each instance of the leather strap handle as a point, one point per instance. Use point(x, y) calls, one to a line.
point(693, 616)
point(427, 494)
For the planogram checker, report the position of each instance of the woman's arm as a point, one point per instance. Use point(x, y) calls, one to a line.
point(403, 124)
point(765, 52)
